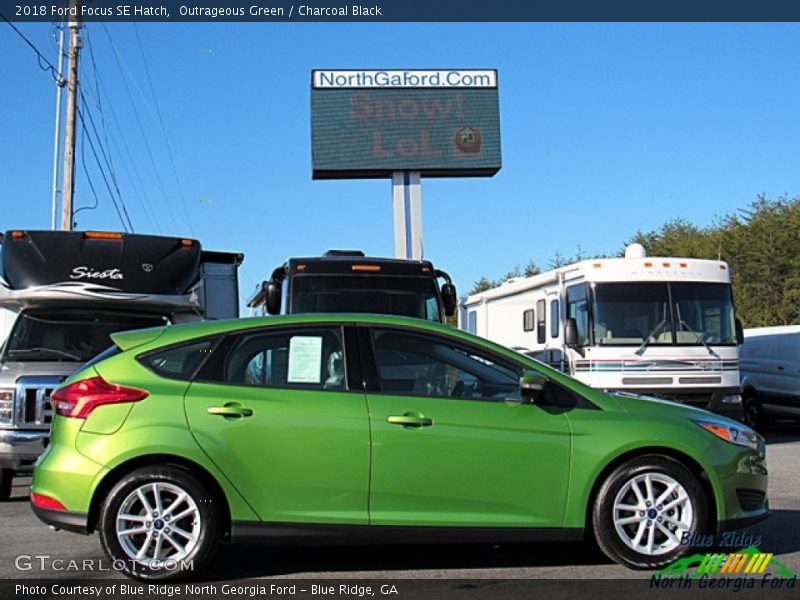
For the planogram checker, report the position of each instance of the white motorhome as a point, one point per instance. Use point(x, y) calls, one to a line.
point(650, 325)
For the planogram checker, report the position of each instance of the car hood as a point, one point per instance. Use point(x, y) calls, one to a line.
point(659, 408)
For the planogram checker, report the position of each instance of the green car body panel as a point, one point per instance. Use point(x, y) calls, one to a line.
point(312, 452)
point(310, 456)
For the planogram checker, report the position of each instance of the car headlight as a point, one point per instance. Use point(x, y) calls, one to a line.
point(735, 434)
point(731, 399)
point(6, 406)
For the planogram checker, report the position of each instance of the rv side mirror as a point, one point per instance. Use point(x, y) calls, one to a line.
point(273, 300)
point(449, 299)
point(739, 331)
point(531, 386)
point(571, 333)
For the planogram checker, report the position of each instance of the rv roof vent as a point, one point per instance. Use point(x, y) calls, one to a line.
point(344, 253)
point(635, 251)
point(511, 280)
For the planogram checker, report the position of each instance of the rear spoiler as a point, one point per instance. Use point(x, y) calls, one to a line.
point(125, 340)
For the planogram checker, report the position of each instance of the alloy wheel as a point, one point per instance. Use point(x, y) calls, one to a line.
point(652, 512)
point(158, 523)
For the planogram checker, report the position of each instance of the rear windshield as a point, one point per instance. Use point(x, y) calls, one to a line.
point(70, 335)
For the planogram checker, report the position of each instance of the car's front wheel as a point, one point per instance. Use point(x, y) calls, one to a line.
point(159, 523)
point(648, 510)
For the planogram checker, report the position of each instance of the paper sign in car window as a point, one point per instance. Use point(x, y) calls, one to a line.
point(305, 359)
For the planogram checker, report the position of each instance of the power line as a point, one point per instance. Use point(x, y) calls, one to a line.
point(103, 151)
point(41, 58)
point(107, 144)
point(170, 150)
point(141, 128)
point(136, 178)
point(133, 159)
point(88, 177)
point(125, 220)
point(105, 147)
point(145, 205)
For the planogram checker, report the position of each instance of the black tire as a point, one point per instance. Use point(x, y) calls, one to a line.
point(202, 520)
point(754, 412)
point(662, 469)
point(6, 478)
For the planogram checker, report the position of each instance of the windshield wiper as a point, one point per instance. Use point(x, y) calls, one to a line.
point(700, 337)
point(39, 349)
point(646, 341)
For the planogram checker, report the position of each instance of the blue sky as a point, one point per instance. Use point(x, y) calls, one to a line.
point(606, 129)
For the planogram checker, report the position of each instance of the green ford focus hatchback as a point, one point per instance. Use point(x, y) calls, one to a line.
point(369, 429)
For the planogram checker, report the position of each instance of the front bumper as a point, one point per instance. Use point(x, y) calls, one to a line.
point(742, 522)
point(743, 484)
point(19, 449)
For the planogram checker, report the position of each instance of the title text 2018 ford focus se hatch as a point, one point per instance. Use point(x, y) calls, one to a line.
point(372, 428)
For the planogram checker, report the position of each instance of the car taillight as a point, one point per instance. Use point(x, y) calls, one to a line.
point(46, 502)
point(79, 399)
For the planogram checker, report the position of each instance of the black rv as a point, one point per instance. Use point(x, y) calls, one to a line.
point(348, 281)
point(63, 292)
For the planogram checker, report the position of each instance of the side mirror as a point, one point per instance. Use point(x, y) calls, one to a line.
point(273, 300)
point(531, 386)
point(739, 332)
point(571, 333)
point(449, 299)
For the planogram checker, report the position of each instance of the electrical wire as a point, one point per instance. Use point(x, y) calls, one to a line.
point(88, 178)
point(41, 58)
point(125, 220)
point(170, 150)
point(106, 156)
point(98, 104)
point(132, 159)
point(141, 128)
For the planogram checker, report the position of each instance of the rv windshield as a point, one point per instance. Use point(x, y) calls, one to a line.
point(71, 334)
point(391, 295)
point(659, 314)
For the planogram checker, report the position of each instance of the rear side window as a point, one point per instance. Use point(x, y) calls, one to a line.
point(178, 362)
point(307, 357)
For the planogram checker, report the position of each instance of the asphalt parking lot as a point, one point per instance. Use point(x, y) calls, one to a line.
point(22, 535)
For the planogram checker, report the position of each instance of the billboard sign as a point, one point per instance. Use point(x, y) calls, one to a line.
point(443, 123)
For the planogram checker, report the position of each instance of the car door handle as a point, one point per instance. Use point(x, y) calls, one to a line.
point(410, 420)
point(230, 411)
point(780, 368)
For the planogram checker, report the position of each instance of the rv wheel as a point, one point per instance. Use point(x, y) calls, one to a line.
point(6, 477)
point(753, 413)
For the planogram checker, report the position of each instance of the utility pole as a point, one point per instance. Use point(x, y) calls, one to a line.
point(57, 142)
point(75, 44)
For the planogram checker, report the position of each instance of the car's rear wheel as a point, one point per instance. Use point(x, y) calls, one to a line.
point(159, 523)
point(6, 478)
point(647, 510)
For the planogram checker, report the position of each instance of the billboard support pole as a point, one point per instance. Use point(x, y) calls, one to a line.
point(407, 211)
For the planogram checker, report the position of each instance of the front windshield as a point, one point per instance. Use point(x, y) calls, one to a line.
point(389, 295)
point(73, 335)
point(630, 314)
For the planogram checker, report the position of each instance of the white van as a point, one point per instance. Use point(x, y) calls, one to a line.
point(769, 363)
